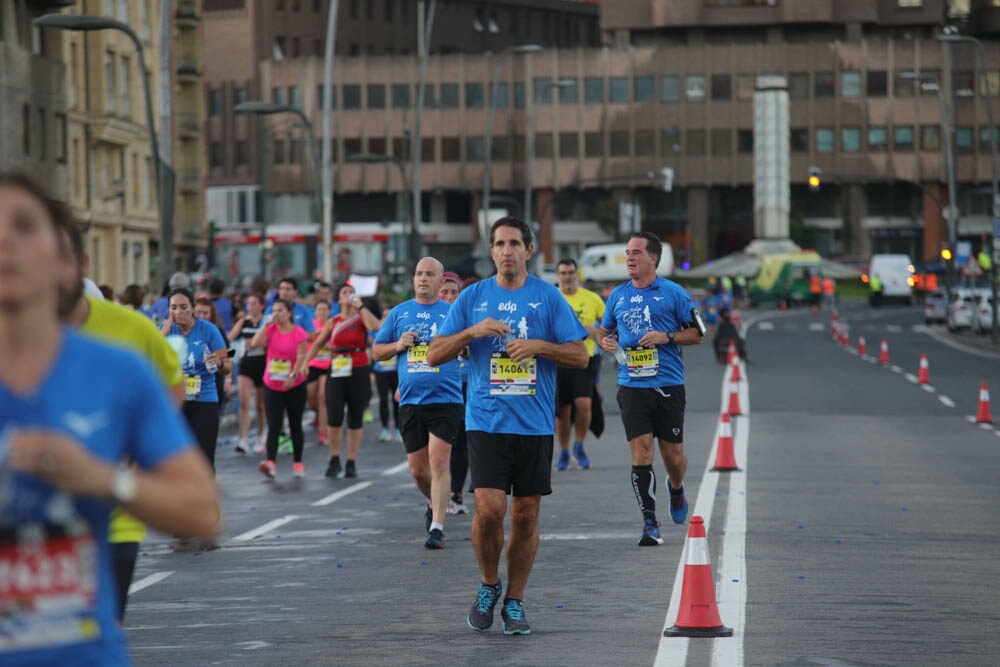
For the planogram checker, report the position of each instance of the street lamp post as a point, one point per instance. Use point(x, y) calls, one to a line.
point(951, 38)
point(379, 158)
point(425, 27)
point(84, 23)
point(327, 149)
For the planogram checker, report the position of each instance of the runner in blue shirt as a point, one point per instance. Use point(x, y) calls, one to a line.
point(517, 329)
point(288, 288)
point(430, 398)
point(651, 316)
point(70, 409)
point(450, 289)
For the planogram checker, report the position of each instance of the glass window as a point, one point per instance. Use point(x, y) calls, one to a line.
point(991, 85)
point(543, 146)
point(215, 155)
point(825, 85)
point(401, 147)
point(694, 88)
point(643, 88)
point(722, 142)
point(645, 143)
point(400, 96)
point(593, 144)
point(877, 83)
point(519, 95)
point(278, 156)
point(376, 96)
point(353, 146)
point(930, 137)
point(934, 74)
point(593, 90)
point(799, 140)
point(569, 144)
point(449, 96)
point(376, 145)
point(451, 149)
point(500, 148)
point(744, 141)
point(798, 86)
point(501, 96)
point(239, 95)
point(519, 147)
point(850, 139)
point(962, 80)
point(963, 138)
point(850, 84)
point(214, 102)
point(985, 138)
point(430, 99)
point(670, 88)
point(877, 138)
point(352, 96)
point(278, 95)
point(319, 96)
point(694, 143)
point(824, 140)
point(543, 90)
point(619, 143)
point(744, 87)
point(722, 87)
point(569, 92)
point(902, 86)
point(670, 142)
point(474, 96)
point(474, 151)
point(618, 89)
point(902, 137)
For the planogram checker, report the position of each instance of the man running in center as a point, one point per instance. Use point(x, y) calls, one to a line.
point(518, 329)
point(430, 398)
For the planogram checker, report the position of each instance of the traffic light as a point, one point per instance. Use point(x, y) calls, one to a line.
point(946, 254)
point(814, 178)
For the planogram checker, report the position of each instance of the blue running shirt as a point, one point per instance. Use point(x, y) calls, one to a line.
point(302, 314)
point(199, 383)
point(420, 384)
point(634, 311)
point(107, 399)
point(504, 396)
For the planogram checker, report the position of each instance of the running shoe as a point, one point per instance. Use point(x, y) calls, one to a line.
point(514, 622)
point(650, 534)
point(321, 438)
point(435, 540)
point(298, 471)
point(398, 437)
point(384, 435)
point(284, 444)
point(563, 461)
point(581, 456)
point(678, 508)
point(333, 469)
point(368, 417)
point(480, 616)
point(350, 470)
point(242, 447)
point(456, 505)
point(260, 446)
point(428, 517)
point(268, 469)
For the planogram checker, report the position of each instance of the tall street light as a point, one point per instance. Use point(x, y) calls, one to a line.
point(379, 158)
point(425, 28)
point(164, 194)
point(327, 149)
point(484, 226)
point(952, 38)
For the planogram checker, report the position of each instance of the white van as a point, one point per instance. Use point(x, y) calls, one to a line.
point(606, 263)
point(896, 272)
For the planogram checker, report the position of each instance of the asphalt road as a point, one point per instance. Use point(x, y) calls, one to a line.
point(860, 531)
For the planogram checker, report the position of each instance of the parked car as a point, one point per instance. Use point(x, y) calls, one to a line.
point(960, 309)
point(936, 307)
point(982, 314)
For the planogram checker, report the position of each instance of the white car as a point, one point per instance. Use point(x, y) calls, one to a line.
point(960, 308)
point(982, 314)
point(936, 306)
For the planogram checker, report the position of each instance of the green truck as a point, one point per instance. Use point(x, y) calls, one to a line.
point(785, 276)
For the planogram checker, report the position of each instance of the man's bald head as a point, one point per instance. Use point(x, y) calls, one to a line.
point(427, 279)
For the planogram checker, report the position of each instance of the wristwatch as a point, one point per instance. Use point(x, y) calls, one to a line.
point(123, 486)
point(670, 337)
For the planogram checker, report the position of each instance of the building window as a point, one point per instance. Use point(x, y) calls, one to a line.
point(352, 96)
point(62, 138)
point(963, 138)
point(214, 102)
point(962, 80)
point(400, 96)
point(670, 143)
point(124, 72)
point(618, 89)
point(376, 96)
point(694, 143)
point(543, 146)
point(991, 84)
point(474, 151)
point(877, 84)
point(278, 156)
point(930, 137)
point(745, 87)
point(474, 96)
point(377, 145)
point(519, 95)
point(239, 95)
point(670, 88)
point(643, 88)
point(353, 146)
point(295, 151)
point(722, 142)
point(569, 93)
point(850, 139)
point(902, 85)
point(543, 90)
point(593, 144)
point(215, 155)
point(824, 85)
point(877, 138)
point(722, 87)
point(619, 143)
point(798, 86)
point(430, 99)
point(42, 138)
point(501, 95)
point(109, 82)
point(694, 88)
point(645, 143)
point(401, 148)
point(798, 140)
point(451, 149)
point(240, 153)
point(294, 98)
point(278, 95)
point(449, 96)
point(593, 90)
point(850, 84)
point(902, 137)
point(824, 140)
point(500, 149)
point(319, 96)
point(569, 144)
point(744, 141)
point(985, 136)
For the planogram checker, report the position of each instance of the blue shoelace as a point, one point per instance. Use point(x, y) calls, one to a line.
point(487, 596)
point(514, 611)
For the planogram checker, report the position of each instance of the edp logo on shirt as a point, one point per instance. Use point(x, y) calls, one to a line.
point(507, 307)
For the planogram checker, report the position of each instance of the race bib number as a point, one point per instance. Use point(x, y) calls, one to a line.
point(510, 378)
point(388, 365)
point(416, 360)
point(280, 369)
point(341, 367)
point(48, 588)
point(324, 355)
point(643, 362)
point(256, 352)
point(192, 387)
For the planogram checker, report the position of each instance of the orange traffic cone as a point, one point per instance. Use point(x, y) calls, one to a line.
point(862, 350)
point(698, 615)
point(731, 354)
point(734, 399)
point(924, 374)
point(844, 336)
point(725, 458)
point(983, 414)
point(736, 375)
point(883, 353)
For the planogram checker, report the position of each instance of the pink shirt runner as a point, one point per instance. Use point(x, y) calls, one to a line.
point(282, 349)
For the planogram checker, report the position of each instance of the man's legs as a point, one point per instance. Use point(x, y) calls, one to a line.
point(675, 459)
point(439, 453)
point(582, 423)
point(523, 542)
point(487, 533)
point(564, 426)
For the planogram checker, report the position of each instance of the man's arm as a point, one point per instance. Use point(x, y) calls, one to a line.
point(602, 339)
point(445, 348)
point(572, 354)
point(690, 336)
point(383, 351)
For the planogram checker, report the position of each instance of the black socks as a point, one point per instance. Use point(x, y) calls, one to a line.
point(644, 486)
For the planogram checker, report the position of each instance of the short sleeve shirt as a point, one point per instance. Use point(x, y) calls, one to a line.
point(589, 308)
point(282, 349)
point(203, 337)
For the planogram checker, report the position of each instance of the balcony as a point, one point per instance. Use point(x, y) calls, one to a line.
point(188, 69)
point(189, 180)
point(187, 14)
point(189, 125)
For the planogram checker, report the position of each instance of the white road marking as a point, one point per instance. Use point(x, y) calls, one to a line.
point(260, 530)
point(334, 497)
point(929, 388)
point(146, 582)
point(896, 369)
point(396, 469)
point(911, 377)
point(947, 401)
point(970, 418)
point(986, 427)
point(766, 326)
point(817, 326)
point(731, 589)
point(893, 328)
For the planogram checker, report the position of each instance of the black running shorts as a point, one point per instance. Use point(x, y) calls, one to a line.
point(573, 383)
point(656, 410)
point(418, 422)
point(253, 368)
point(518, 464)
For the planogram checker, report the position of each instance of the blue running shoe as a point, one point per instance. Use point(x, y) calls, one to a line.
point(678, 508)
point(563, 461)
point(581, 456)
point(650, 534)
point(481, 614)
point(514, 622)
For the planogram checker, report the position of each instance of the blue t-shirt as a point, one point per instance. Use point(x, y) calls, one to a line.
point(161, 309)
point(199, 383)
point(420, 384)
point(301, 315)
point(504, 396)
point(225, 309)
point(109, 401)
point(635, 311)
